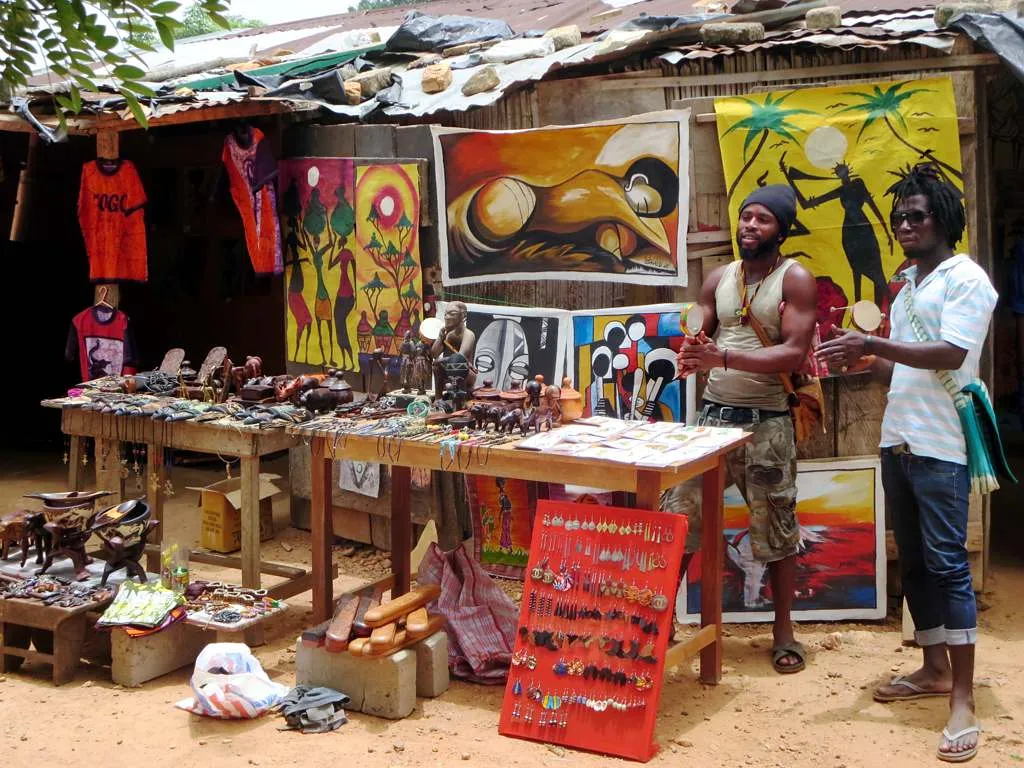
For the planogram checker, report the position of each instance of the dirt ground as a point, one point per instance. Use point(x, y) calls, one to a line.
point(821, 718)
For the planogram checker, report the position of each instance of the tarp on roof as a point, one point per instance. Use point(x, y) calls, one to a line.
point(1001, 33)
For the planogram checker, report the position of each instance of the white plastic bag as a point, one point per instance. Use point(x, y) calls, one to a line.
point(229, 682)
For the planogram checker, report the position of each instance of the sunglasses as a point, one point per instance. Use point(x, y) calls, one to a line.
point(913, 218)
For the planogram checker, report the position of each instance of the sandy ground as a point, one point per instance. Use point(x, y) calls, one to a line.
point(823, 717)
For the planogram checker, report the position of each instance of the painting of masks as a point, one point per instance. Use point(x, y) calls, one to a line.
point(624, 362)
point(514, 344)
point(604, 201)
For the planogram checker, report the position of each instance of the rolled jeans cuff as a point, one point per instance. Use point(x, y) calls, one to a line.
point(962, 636)
point(934, 636)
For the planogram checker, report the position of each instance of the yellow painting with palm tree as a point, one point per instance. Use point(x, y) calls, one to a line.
point(841, 149)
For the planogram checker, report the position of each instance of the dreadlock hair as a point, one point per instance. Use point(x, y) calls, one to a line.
point(945, 200)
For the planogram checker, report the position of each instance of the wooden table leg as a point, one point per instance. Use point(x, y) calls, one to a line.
point(68, 639)
point(648, 490)
point(712, 555)
point(401, 528)
point(156, 479)
point(250, 550)
point(108, 469)
point(75, 464)
point(322, 532)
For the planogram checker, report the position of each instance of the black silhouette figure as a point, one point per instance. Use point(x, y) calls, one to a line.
point(859, 241)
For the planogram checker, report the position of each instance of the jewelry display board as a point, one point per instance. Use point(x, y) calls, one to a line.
point(594, 626)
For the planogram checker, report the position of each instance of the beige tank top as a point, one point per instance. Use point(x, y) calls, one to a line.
point(740, 388)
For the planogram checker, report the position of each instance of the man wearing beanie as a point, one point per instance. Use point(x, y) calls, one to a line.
point(744, 390)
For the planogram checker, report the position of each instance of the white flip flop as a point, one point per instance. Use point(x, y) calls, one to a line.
point(949, 738)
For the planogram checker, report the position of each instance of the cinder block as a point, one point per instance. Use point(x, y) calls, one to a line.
point(724, 33)
point(827, 17)
point(944, 12)
point(390, 687)
point(384, 687)
point(134, 661)
point(432, 665)
point(340, 671)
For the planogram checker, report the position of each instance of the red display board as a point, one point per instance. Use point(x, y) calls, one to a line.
point(594, 626)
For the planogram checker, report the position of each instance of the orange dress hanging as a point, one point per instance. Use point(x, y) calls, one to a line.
point(251, 171)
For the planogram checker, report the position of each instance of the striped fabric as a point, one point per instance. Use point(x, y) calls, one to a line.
point(954, 303)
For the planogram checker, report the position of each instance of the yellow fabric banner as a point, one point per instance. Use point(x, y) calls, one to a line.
point(840, 148)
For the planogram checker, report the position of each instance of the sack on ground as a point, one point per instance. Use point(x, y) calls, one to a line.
point(228, 682)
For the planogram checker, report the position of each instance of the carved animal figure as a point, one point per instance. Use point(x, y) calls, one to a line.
point(511, 420)
point(35, 532)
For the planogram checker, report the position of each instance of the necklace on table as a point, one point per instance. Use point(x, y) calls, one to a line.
point(743, 313)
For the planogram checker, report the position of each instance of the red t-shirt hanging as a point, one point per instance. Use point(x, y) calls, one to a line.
point(110, 203)
point(102, 340)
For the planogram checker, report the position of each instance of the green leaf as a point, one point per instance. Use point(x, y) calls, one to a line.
point(135, 108)
point(166, 32)
point(76, 100)
point(139, 88)
point(106, 43)
point(128, 72)
point(164, 8)
point(219, 20)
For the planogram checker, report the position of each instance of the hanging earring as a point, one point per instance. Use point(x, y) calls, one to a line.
point(85, 453)
point(67, 450)
point(517, 687)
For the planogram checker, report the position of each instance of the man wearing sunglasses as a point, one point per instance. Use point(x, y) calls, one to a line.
point(924, 456)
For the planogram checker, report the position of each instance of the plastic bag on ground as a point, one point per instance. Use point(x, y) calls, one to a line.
point(228, 682)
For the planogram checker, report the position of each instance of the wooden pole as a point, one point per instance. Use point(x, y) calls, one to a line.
point(24, 187)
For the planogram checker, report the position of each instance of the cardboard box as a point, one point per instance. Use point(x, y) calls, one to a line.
point(221, 529)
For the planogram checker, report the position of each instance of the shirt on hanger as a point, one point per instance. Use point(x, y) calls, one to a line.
point(102, 340)
point(110, 203)
point(246, 167)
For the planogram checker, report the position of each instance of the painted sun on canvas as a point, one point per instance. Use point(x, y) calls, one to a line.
point(841, 564)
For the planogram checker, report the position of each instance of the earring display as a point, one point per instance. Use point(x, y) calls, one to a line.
point(594, 627)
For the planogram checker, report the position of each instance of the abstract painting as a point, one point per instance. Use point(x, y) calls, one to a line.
point(362, 477)
point(624, 361)
point(352, 266)
point(502, 511)
point(603, 201)
point(841, 567)
point(515, 344)
point(840, 148)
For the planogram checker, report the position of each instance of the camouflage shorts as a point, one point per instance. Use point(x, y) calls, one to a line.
point(764, 470)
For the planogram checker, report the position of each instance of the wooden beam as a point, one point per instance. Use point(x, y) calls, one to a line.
point(108, 145)
point(932, 64)
point(680, 652)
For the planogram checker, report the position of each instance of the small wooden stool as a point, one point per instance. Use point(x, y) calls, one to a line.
point(57, 635)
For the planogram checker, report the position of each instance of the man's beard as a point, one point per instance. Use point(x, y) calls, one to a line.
point(763, 249)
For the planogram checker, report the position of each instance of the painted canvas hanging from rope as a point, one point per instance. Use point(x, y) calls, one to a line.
point(604, 201)
point(351, 240)
point(840, 148)
point(624, 361)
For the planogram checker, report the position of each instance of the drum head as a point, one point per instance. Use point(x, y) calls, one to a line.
point(691, 319)
point(430, 328)
point(866, 316)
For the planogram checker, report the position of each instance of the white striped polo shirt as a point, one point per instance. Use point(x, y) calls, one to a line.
point(954, 303)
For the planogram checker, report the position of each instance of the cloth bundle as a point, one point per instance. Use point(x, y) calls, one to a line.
point(313, 709)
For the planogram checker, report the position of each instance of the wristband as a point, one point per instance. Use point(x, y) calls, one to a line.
point(867, 345)
point(725, 359)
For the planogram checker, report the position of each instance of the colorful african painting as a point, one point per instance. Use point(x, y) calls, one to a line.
point(624, 361)
point(841, 567)
point(353, 277)
point(514, 344)
point(604, 201)
point(502, 511)
point(840, 148)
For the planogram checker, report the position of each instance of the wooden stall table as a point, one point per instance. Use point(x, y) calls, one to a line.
point(507, 461)
point(247, 444)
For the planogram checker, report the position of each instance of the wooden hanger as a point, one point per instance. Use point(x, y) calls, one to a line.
point(101, 300)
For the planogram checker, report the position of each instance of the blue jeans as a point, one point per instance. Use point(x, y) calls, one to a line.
point(928, 502)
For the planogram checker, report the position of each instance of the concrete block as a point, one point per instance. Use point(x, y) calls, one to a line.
point(134, 661)
point(372, 80)
point(390, 688)
point(828, 17)
point(437, 77)
point(482, 80)
point(944, 12)
point(340, 671)
point(565, 37)
point(732, 34)
point(353, 92)
point(432, 665)
point(384, 687)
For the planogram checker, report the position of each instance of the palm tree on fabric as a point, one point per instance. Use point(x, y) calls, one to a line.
point(765, 119)
point(885, 106)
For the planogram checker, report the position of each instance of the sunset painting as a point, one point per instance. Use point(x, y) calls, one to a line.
point(841, 567)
